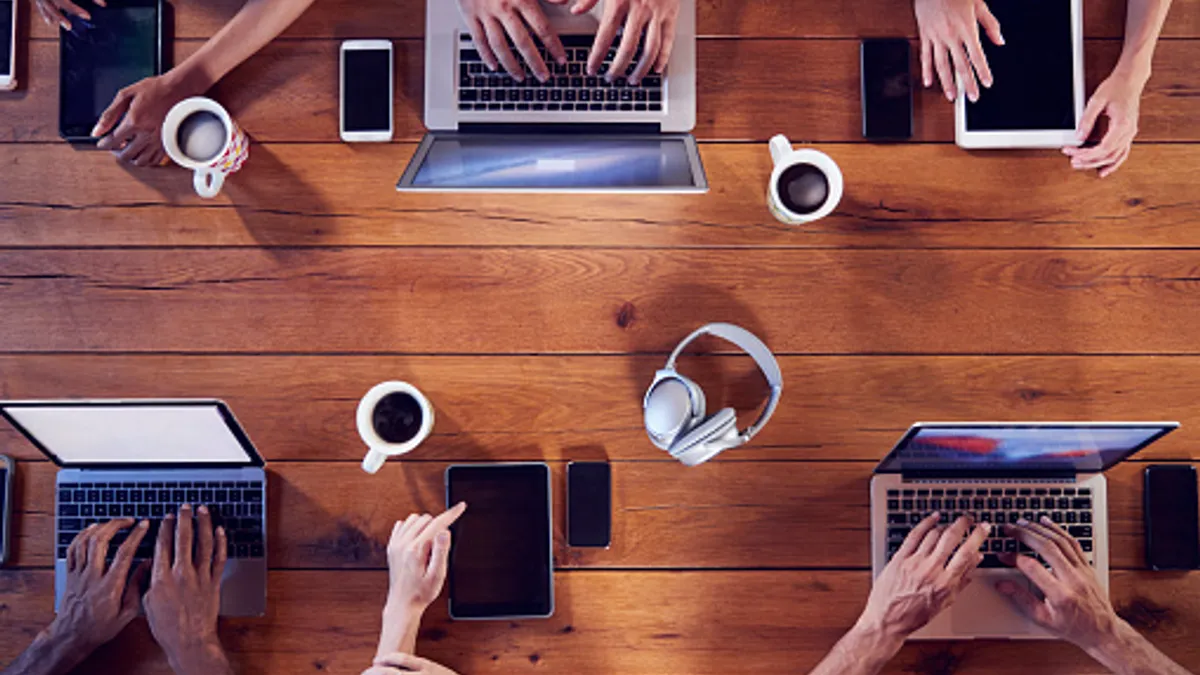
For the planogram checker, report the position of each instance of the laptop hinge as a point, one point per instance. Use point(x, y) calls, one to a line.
point(572, 128)
point(1007, 475)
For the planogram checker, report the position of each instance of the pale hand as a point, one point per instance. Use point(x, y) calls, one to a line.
point(1075, 607)
point(137, 138)
point(950, 43)
point(98, 603)
point(490, 21)
point(652, 19)
point(924, 576)
point(417, 558)
point(398, 664)
point(1119, 99)
point(185, 596)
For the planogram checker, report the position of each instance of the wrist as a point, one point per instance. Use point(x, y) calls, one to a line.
point(1113, 644)
point(188, 80)
point(875, 639)
point(202, 655)
point(1134, 68)
point(63, 634)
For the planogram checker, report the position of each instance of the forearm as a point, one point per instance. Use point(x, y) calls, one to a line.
point(864, 650)
point(205, 657)
point(257, 23)
point(1143, 24)
point(1126, 652)
point(54, 651)
point(399, 632)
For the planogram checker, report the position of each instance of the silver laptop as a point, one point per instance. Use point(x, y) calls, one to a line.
point(143, 458)
point(1000, 472)
point(573, 133)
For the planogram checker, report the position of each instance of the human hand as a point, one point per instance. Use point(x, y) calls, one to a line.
point(924, 576)
point(1119, 98)
point(949, 36)
point(99, 603)
point(655, 18)
point(185, 597)
point(1075, 607)
point(398, 664)
point(491, 20)
point(417, 556)
point(137, 138)
point(57, 12)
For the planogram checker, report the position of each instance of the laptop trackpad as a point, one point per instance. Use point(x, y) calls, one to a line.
point(982, 611)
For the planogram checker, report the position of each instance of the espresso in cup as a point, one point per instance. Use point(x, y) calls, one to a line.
point(803, 188)
point(805, 184)
point(397, 417)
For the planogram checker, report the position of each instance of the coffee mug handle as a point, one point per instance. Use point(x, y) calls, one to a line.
point(374, 460)
point(208, 182)
point(780, 147)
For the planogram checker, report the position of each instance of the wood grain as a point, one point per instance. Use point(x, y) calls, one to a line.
point(763, 18)
point(906, 196)
point(572, 407)
point(581, 300)
point(288, 92)
point(656, 623)
point(730, 514)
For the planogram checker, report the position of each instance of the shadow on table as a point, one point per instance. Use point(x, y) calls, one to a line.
point(274, 204)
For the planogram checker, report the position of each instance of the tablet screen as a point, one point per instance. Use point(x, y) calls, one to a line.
point(500, 557)
point(1033, 72)
point(116, 48)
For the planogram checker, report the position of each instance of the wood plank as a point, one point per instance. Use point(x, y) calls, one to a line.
point(583, 300)
point(908, 196)
point(569, 407)
point(658, 623)
point(288, 92)
point(742, 514)
point(722, 18)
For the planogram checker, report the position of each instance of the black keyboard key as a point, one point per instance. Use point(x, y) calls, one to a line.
point(78, 495)
point(996, 492)
point(967, 493)
point(1069, 491)
point(68, 509)
point(991, 560)
point(907, 505)
point(935, 504)
point(243, 551)
point(256, 550)
point(143, 510)
point(897, 519)
point(1085, 517)
point(1086, 545)
point(1080, 531)
point(944, 518)
point(1035, 503)
point(1028, 515)
point(1072, 517)
point(469, 56)
point(1010, 545)
point(70, 525)
point(127, 510)
point(256, 509)
point(1025, 492)
point(914, 518)
point(1039, 491)
point(93, 495)
point(979, 504)
point(206, 496)
point(1055, 491)
point(997, 546)
point(964, 504)
point(985, 517)
point(1057, 517)
point(1013, 518)
point(65, 538)
point(1081, 503)
point(1084, 492)
point(85, 510)
point(993, 503)
point(951, 493)
point(101, 510)
point(1064, 503)
point(923, 505)
point(893, 504)
point(910, 493)
point(164, 496)
point(178, 496)
point(1006, 503)
point(122, 496)
point(922, 493)
point(1009, 492)
point(893, 493)
point(193, 496)
point(64, 496)
point(157, 511)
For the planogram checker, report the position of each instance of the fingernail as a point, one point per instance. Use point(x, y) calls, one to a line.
point(203, 509)
point(633, 83)
point(935, 514)
point(1022, 522)
point(185, 507)
point(144, 524)
point(1046, 520)
point(220, 531)
point(1001, 39)
point(987, 527)
point(950, 97)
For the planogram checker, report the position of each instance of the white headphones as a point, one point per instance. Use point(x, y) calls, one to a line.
point(674, 406)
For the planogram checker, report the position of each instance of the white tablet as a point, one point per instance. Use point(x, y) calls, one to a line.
point(1037, 98)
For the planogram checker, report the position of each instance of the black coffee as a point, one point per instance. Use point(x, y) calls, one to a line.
point(803, 188)
point(397, 417)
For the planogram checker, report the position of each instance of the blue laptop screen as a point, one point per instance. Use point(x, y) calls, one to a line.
point(556, 162)
point(1005, 448)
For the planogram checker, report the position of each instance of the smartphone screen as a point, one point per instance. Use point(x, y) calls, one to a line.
point(589, 504)
point(4, 504)
point(1172, 527)
point(6, 37)
point(886, 89)
point(500, 554)
point(367, 90)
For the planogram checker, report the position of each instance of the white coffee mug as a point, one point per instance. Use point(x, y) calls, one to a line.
point(785, 156)
point(218, 146)
point(378, 448)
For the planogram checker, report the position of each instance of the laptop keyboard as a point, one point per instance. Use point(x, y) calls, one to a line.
point(1069, 507)
point(568, 89)
point(235, 505)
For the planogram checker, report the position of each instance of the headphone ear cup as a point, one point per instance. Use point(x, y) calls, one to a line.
point(707, 439)
point(672, 407)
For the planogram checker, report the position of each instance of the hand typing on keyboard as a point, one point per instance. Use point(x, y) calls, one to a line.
point(497, 26)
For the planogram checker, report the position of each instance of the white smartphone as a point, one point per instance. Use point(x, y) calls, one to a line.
point(366, 90)
point(8, 42)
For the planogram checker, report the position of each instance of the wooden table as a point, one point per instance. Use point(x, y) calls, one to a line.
point(948, 285)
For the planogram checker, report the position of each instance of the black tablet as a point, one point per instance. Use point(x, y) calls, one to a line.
point(501, 556)
point(120, 45)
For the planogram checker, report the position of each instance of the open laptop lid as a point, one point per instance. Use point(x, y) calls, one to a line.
point(598, 163)
point(95, 434)
point(1011, 449)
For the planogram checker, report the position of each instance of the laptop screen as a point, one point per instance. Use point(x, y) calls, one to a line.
point(1008, 448)
point(82, 433)
point(654, 163)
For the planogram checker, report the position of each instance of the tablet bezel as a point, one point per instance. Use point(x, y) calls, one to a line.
point(1029, 138)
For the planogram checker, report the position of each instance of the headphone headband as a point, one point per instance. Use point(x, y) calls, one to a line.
point(750, 344)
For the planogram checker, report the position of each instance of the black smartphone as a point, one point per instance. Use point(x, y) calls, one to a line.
point(501, 553)
point(589, 504)
point(121, 44)
point(7, 468)
point(1172, 518)
point(886, 89)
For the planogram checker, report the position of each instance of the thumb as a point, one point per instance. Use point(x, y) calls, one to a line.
point(112, 113)
point(439, 558)
point(131, 601)
point(1091, 113)
point(582, 6)
point(1024, 600)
